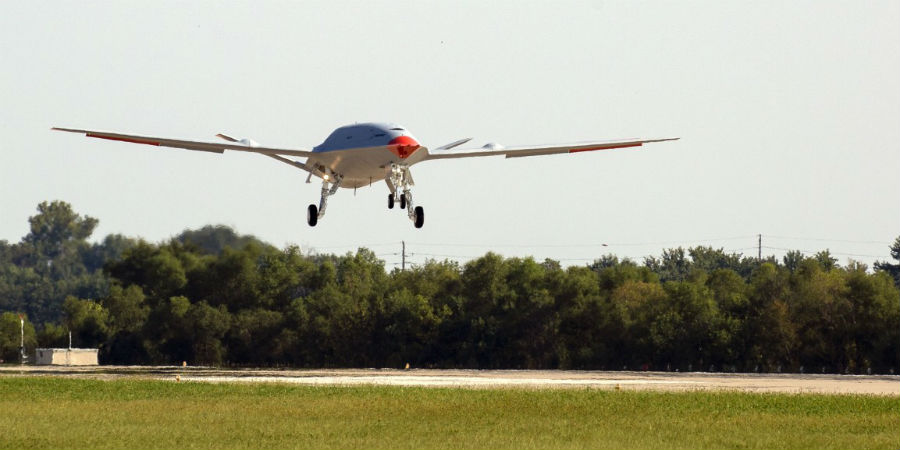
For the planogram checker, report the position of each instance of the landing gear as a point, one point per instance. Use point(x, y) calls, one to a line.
point(420, 217)
point(399, 179)
point(313, 214)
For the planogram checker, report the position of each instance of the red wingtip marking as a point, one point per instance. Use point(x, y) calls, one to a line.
point(133, 141)
point(603, 148)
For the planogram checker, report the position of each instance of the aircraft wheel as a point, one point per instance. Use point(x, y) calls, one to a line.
point(402, 201)
point(420, 217)
point(312, 215)
point(390, 201)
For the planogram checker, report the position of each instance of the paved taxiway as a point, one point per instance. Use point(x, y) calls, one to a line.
point(669, 381)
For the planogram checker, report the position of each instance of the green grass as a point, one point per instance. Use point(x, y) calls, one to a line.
point(66, 413)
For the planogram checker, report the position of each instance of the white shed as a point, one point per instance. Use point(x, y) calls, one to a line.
point(66, 356)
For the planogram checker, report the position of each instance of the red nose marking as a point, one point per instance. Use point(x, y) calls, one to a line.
point(403, 146)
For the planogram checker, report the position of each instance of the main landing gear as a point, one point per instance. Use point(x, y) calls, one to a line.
point(400, 178)
point(312, 213)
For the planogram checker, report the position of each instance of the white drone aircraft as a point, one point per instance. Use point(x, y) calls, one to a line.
point(356, 155)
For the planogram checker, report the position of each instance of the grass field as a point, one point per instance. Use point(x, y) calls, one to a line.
point(43, 412)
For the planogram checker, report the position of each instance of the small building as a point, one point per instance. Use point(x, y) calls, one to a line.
point(66, 356)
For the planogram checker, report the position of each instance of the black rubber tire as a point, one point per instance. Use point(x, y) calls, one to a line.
point(420, 217)
point(312, 215)
point(402, 201)
point(390, 201)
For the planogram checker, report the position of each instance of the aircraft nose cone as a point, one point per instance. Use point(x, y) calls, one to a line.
point(403, 146)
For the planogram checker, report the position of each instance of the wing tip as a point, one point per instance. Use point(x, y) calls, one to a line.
point(70, 130)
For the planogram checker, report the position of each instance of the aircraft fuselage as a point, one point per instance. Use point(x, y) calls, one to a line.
point(363, 153)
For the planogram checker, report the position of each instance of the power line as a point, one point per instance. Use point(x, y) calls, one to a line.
point(580, 245)
point(596, 244)
point(845, 241)
point(809, 252)
point(419, 256)
point(386, 244)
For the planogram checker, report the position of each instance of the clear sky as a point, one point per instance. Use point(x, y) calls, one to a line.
point(788, 113)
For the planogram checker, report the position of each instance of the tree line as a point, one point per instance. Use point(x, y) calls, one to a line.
point(213, 297)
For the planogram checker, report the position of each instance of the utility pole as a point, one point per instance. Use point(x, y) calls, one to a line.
point(759, 254)
point(22, 341)
point(403, 261)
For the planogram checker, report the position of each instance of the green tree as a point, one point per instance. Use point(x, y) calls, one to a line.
point(825, 260)
point(11, 337)
point(207, 326)
point(126, 307)
point(439, 283)
point(128, 315)
point(769, 333)
point(634, 306)
point(231, 279)
point(582, 316)
point(628, 294)
point(730, 293)
point(169, 331)
point(53, 335)
point(157, 270)
point(686, 326)
point(48, 264)
point(892, 269)
point(214, 239)
point(874, 327)
point(284, 276)
point(57, 231)
point(405, 326)
point(485, 295)
point(709, 259)
point(111, 249)
point(255, 337)
point(792, 259)
point(527, 316)
point(88, 321)
point(672, 266)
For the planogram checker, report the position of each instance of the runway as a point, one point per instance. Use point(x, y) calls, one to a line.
point(528, 379)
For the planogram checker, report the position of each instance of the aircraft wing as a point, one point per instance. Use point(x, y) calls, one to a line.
point(214, 147)
point(536, 150)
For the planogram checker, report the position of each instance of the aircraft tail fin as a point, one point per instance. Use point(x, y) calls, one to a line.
point(245, 141)
point(454, 144)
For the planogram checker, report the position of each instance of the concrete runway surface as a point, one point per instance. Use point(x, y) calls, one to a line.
point(530, 379)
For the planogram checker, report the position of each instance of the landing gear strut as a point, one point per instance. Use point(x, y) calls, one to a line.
point(401, 179)
point(313, 214)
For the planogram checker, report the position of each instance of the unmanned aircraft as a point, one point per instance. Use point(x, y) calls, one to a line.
point(357, 155)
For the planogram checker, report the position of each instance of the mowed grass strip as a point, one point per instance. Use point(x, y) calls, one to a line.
point(147, 414)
